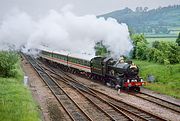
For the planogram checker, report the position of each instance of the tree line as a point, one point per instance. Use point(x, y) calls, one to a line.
point(143, 20)
point(163, 52)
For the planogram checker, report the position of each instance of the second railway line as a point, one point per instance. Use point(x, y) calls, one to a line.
point(142, 115)
point(85, 99)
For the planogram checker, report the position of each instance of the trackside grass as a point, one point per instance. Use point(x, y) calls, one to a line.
point(167, 77)
point(16, 103)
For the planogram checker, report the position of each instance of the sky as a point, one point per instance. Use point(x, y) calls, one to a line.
point(32, 23)
point(79, 7)
point(59, 29)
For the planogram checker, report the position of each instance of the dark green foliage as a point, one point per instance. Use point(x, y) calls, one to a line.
point(178, 40)
point(100, 49)
point(163, 52)
point(138, 38)
point(140, 50)
point(140, 46)
point(148, 21)
point(155, 44)
point(7, 62)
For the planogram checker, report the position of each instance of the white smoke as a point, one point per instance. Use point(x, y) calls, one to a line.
point(65, 31)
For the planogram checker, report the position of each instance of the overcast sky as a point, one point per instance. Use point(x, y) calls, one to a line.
point(80, 7)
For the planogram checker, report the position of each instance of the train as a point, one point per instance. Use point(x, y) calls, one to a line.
point(115, 73)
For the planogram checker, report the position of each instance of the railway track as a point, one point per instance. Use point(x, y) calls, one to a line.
point(75, 112)
point(109, 110)
point(161, 102)
point(120, 105)
point(144, 115)
point(71, 108)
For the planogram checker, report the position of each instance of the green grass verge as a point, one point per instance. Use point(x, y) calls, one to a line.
point(16, 103)
point(167, 77)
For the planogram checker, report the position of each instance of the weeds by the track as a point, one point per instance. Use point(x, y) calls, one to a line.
point(16, 103)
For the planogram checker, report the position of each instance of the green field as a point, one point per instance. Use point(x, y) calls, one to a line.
point(167, 78)
point(174, 28)
point(175, 32)
point(151, 40)
point(16, 103)
point(160, 39)
point(172, 36)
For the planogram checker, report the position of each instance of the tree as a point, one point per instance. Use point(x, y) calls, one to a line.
point(158, 56)
point(150, 54)
point(140, 46)
point(161, 51)
point(145, 9)
point(178, 40)
point(100, 49)
point(174, 54)
point(141, 51)
point(164, 52)
point(7, 62)
point(155, 44)
point(139, 9)
point(138, 38)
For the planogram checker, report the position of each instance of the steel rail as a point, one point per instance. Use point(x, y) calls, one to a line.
point(158, 101)
point(40, 72)
point(163, 103)
point(80, 90)
point(90, 89)
point(136, 108)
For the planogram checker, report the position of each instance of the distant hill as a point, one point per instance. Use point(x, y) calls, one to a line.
point(143, 20)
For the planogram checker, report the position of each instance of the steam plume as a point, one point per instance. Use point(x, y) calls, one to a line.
point(64, 31)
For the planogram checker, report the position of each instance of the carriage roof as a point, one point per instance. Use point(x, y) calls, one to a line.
point(66, 53)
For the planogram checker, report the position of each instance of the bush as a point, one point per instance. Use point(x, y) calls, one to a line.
point(140, 46)
point(161, 51)
point(166, 52)
point(8, 60)
point(16, 103)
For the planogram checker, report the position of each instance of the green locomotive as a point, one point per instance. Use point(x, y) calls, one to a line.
point(117, 73)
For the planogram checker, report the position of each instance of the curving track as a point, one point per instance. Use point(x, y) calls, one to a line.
point(71, 108)
point(116, 104)
point(161, 102)
point(107, 108)
point(75, 111)
point(64, 87)
point(156, 100)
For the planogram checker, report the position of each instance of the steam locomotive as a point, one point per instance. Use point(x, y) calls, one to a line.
point(118, 74)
